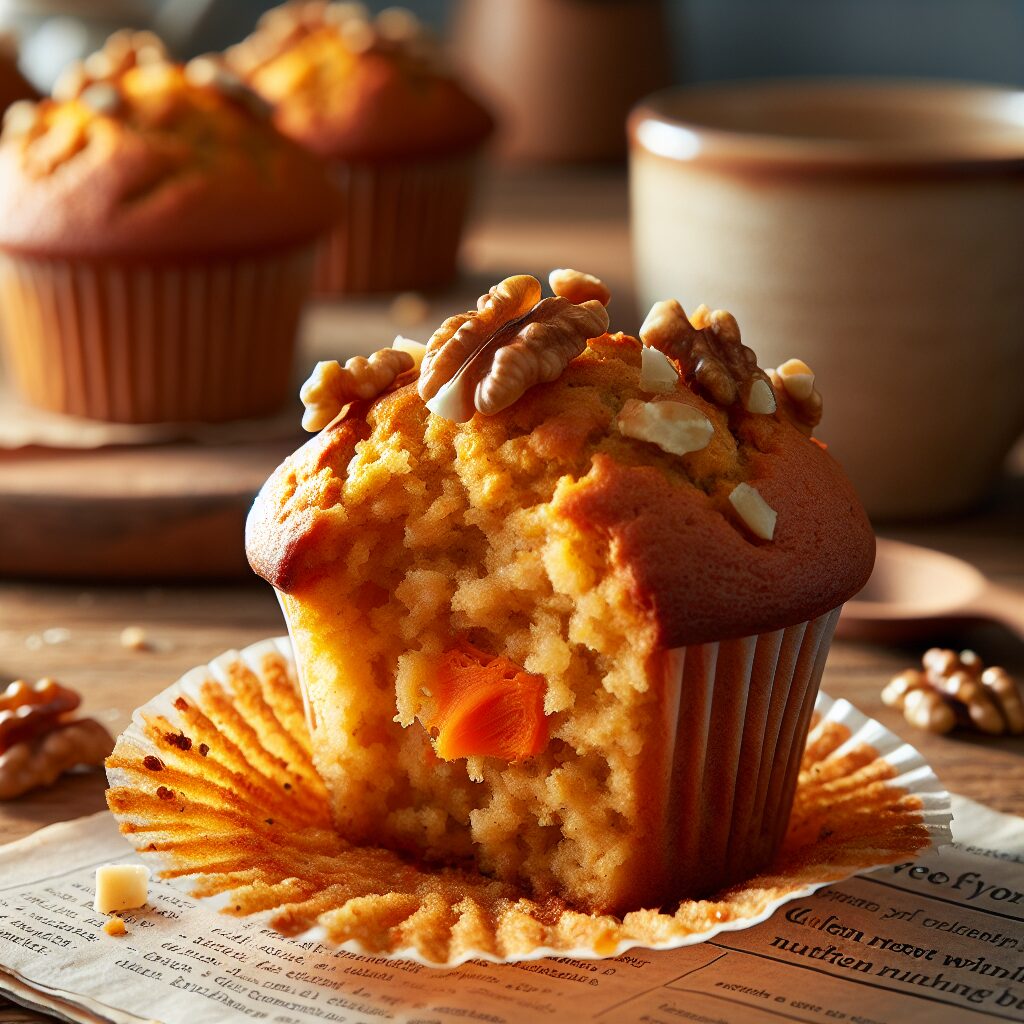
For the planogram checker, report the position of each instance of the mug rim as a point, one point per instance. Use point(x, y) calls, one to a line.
point(657, 126)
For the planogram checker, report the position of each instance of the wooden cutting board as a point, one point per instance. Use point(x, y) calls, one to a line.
point(163, 512)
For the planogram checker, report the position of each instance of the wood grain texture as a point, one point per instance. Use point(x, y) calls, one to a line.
point(526, 224)
point(169, 511)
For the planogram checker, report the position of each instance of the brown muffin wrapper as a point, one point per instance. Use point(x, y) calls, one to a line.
point(742, 713)
point(400, 229)
point(156, 343)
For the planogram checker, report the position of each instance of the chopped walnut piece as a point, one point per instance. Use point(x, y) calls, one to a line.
point(415, 349)
point(1007, 695)
point(398, 25)
point(675, 427)
point(29, 709)
point(359, 36)
point(800, 400)
point(926, 709)
point(331, 387)
point(709, 350)
point(395, 30)
point(210, 71)
point(956, 689)
point(40, 762)
point(758, 515)
point(121, 52)
point(102, 98)
point(20, 118)
point(483, 361)
point(657, 372)
point(578, 287)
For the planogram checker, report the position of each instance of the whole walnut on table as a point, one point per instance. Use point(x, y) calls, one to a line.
point(956, 689)
point(38, 743)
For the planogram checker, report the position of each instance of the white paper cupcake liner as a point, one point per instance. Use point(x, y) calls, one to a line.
point(207, 341)
point(744, 708)
point(214, 784)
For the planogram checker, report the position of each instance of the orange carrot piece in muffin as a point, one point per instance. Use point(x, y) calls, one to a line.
point(486, 706)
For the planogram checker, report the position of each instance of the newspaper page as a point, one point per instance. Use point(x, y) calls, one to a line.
point(940, 940)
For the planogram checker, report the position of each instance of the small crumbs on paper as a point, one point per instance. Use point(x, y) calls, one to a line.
point(115, 926)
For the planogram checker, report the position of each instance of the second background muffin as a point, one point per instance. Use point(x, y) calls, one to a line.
point(401, 134)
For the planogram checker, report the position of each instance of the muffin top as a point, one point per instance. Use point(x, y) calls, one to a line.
point(670, 464)
point(137, 156)
point(353, 88)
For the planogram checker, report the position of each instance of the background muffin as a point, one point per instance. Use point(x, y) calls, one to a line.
point(156, 238)
point(401, 133)
point(576, 640)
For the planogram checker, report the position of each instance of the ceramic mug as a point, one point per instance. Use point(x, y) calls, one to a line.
point(562, 74)
point(875, 230)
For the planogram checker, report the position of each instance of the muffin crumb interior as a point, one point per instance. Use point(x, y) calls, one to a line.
point(446, 533)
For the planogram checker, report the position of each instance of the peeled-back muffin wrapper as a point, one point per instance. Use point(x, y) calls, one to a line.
point(400, 226)
point(136, 342)
point(213, 783)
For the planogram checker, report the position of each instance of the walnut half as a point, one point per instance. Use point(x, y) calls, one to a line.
point(800, 399)
point(33, 764)
point(484, 360)
point(707, 348)
point(331, 386)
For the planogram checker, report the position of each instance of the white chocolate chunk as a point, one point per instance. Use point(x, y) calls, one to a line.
point(754, 511)
point(412, 348)
point(797, 378)
point(761, 398)
point(121, 887)
point(657, 374)
point(674, 427)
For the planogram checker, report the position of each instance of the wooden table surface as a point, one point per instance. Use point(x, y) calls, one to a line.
point(72, 631)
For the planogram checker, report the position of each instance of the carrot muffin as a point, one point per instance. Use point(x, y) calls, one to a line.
point(401, 134)
point(156, 241)
point(561, 599)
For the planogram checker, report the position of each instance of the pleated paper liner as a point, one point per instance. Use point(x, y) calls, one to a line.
point(207, 341)
point(214, 784)
point(401, 226)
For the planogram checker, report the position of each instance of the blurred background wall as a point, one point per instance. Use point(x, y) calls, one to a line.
point(714, 39)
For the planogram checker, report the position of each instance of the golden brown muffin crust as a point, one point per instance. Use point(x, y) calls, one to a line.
point(346, 90)
point(665, 520)
point(152, 164)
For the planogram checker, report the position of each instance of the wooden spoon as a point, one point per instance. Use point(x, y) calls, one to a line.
point(913, 590)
